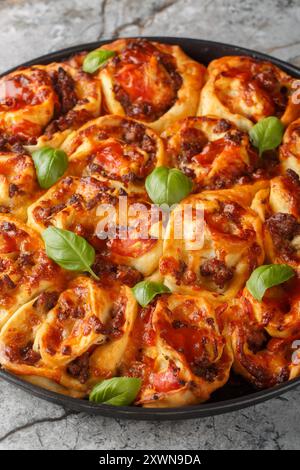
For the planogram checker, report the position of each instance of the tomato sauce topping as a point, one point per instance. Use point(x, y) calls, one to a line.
point(260, 87)
point(20, 91)
point(146, 81)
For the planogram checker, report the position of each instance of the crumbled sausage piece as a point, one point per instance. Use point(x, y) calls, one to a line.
point(217, 271)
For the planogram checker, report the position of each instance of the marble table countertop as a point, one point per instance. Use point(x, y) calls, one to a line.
point(29, 28)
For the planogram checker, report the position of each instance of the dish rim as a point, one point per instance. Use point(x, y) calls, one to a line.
point(138, 413)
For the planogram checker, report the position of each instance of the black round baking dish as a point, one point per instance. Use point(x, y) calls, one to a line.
point(235, 395)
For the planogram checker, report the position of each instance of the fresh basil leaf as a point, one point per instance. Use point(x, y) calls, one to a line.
point(95, 59)
point(69, 250)
point(267, 134)
point(266, 276)
point(145, 291)
point(167, 185)
point(50, 165)
point(118, 391)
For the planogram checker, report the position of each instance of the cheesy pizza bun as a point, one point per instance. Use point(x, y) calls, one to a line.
point(110, 324)
point(260, 358)
point(279, 310)
point(18, 353)
point(245, 90)
point(28, 102)
point(151, 82)
point(47, 100)
point(214, 153)
point(87, 314)
point(289, 151)
point(279, 208)
point(116, 148)
point(227, 248)
point(180, 354)
point(120, 230)
point(25, 268)
point(72, 340)
point(18, 184)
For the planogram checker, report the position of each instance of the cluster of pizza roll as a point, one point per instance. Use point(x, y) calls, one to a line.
point(147, 106)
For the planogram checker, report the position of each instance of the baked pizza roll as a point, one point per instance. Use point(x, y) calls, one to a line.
point(48, 101)
point(18, 184)
point(19, 355)
point(214, 153)
point(116, 148)
point(279, 310)
point(245, 90)
point(151, 82)
point(227, 248)
point(121, 231)
point(261, 358)
point(278, 207)
point(289, 151)
point(25, 268)
point(181, 355)
point(71, 340)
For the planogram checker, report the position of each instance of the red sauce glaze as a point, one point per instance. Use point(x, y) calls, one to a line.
point(26, 129)
point(186, 339)
point(131, 248)
point(145, 80)
point(114, 159)
point(21, 91)
point(8, 244)
point(209, 153)
point(164, 382)
point(260, 79)
point(53, 339)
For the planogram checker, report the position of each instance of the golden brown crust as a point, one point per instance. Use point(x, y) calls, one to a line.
point(245, 90)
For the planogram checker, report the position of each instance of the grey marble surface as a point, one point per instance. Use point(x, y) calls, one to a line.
point(29, 28)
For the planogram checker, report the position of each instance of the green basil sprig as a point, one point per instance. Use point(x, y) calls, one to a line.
point(95, 59)
point(266, 276)
point(267, 134)
point(50, 165)
point(167, 185)
point(69, 250)
point(145, 291)
point(118, 391)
